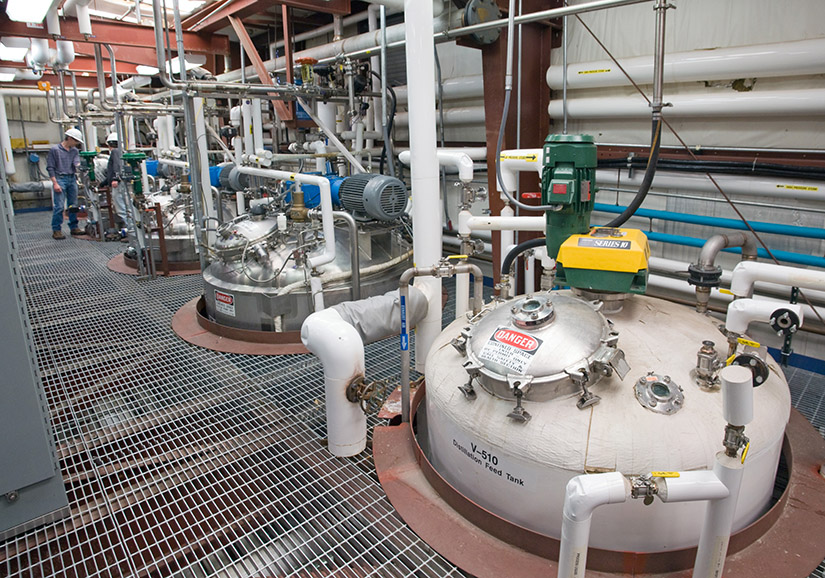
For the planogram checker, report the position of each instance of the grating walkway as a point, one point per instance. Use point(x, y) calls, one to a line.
point(188, 463)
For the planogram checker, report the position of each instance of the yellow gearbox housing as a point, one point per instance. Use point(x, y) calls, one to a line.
point(605, 259)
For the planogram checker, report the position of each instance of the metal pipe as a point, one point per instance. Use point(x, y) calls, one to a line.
point(707, 258)
point(758, 226)
point(438, 271)
point(330, 132)
point(355, 252)
point(564, 73)
point(746, 273)
point(658, 59)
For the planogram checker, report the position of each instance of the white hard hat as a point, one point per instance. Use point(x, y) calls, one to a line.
point(75, 134)
point(112, 137)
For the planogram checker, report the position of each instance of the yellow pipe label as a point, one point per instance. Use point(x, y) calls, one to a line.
point(797, 187)
point(528, 158)
point(665, 474)
point(596, 71)
point(744, 341)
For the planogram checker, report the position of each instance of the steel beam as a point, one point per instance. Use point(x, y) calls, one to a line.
point(284, 113)
point(209, 21)
point(118, 34)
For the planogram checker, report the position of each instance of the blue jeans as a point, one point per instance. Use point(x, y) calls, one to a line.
point(68, 184)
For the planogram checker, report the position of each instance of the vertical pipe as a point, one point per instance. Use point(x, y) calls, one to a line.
point(246, 123)
point(5, 139)
point(257, 126)
point(658, 59)
point(203, 158)
point(564, 73)
point(426, 206)
point(355, 252)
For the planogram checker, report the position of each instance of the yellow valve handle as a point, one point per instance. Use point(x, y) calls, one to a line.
point(458, 257)
point(725, 291)
point(744, 341)
point(665, 474)
point(730, 359)
point(745, 453)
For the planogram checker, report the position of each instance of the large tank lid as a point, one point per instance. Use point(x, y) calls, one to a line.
point(546, 336)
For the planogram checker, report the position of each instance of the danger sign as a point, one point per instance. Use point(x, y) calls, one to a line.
point(224, 303)
point(511, 349)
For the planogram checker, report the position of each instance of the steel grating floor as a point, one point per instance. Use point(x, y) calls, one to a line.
point(185, 462)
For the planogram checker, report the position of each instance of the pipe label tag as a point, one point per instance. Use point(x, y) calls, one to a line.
point(405, 340)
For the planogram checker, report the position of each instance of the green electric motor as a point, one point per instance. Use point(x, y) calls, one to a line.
point(568, 181)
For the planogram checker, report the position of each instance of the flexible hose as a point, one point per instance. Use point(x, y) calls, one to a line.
point(650, 171)
point(518, 250)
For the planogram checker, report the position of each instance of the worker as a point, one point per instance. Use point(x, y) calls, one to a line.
point(114, 168)
point(62, 165)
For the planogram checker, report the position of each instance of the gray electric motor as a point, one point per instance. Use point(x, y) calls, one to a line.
point(373, 196)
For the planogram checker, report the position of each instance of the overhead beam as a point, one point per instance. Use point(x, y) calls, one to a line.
point(281, 109)
point(210, 19)
point(119, 34)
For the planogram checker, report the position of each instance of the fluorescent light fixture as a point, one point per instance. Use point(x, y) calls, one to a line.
point(7, 74)
point(185, 6)
point(14, 48)
point(192, 61)
point(146, 70)
point(28, 10)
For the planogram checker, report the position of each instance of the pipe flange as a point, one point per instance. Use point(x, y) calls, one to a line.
point(756, 364)
point(533, 312)
point(702, 276)
point(479, 12)
point(659, 394)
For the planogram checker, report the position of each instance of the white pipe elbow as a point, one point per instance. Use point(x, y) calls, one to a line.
point(517, 161)
point(742, 312)
point(586, 492)
point(746, 273)
point(461, 161)
point(338, 346)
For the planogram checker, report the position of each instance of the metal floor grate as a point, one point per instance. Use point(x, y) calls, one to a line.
point(189, 463)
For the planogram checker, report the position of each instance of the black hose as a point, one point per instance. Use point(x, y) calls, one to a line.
point(507, 262)
point(728, 167)
point(652, 161)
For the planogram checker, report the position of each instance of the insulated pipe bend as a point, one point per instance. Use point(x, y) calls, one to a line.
point(746, 273)
point(742, 312)
point(462, 162)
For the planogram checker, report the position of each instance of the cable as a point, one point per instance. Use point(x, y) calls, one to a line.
point(507, 262)
point(650, 171)
point(441, 171)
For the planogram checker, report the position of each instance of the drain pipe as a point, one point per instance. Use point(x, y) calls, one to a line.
point(443, 269)
point(705, 274)
point(746, 273)
point(337, 336)
point(326, 206)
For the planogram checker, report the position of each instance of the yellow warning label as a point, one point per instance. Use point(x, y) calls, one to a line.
point(748, 342)
point(596, 71)
point(797, 188)
point(665, 474)
point(528, 158)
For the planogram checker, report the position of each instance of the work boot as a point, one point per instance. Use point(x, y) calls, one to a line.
point(58, 235)
point(76, 232)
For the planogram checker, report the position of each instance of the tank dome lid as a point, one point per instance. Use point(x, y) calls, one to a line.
point(546, 336)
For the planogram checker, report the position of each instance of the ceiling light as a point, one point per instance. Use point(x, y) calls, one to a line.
point(28, 10)
point(7, 74)
point(12, 53)
point(146, 70)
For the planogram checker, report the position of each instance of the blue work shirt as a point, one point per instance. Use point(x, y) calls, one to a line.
point(61, 161)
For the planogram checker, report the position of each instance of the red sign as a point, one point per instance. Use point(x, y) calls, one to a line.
point(516, 339)
point(224, 298)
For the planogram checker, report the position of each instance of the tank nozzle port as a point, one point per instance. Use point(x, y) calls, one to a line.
point(520, 384)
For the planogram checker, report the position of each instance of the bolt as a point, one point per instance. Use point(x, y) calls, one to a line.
point(642, 380)
point(667, 379)
point(12, 496)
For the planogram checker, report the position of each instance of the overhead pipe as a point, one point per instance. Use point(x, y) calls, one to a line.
point(452, 116)
point(457, 159)
point(455, 88)
point(802, 102)
point(762, 60)
point(733, 185)
point(323, 185)
point(746, 273)
point(725, 223)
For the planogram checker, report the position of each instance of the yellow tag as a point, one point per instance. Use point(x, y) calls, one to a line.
point(44, 85)
point(528, 158)
point(725, 291)
point(458, 257)
point(597, 71)
point(665, 474)
point(797, 187)
point(745, 453)
point(730, 359)
point(292, 177)
point(744, 341)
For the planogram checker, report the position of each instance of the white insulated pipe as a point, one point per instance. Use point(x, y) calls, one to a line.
point(758, 61)
point(742, 312)
point(449, 158)
point(5, 139)
point(246, 124)
point(452, 116)
point(426, 204)
point(257, 127)
point(455, 88)
point(174, 163)
point(746, 273)
point(328, 254)
point(316, 289)
point(583, 495)
point(319, 148)
point(805, 102)
point(202, 150)
point(468, 223)
point(737, 394)
point(694, 486)
point(733, 185)
point(341, 351)
point(516, 161)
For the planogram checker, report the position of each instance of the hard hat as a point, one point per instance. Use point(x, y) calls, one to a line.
point(75, 134)
point(112, 137)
